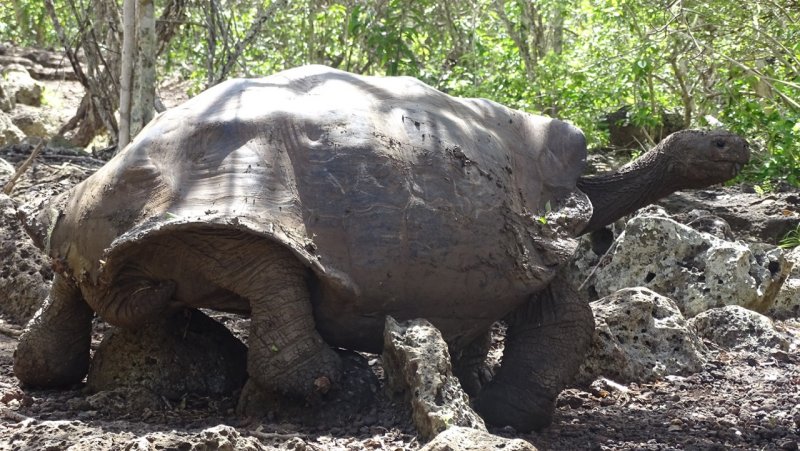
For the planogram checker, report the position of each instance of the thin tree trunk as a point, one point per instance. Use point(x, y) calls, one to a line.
point(172, 17)
point(126, 75)
point(679, 70)
point(263, 16)
point(145, 79)
point(93, 116)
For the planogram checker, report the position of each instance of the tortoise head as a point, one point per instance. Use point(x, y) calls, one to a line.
point(39, 222)
point(698, 158)
point(685, 159)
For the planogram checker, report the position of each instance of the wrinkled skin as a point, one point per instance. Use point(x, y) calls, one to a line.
point(269, 197)
point(686, 159)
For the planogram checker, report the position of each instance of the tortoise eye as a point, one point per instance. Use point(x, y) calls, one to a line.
point(720, 143)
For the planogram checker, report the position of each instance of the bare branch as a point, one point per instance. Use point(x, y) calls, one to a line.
point(172, 17)
point(126, 76)
point(9, 186)
point(252, 33)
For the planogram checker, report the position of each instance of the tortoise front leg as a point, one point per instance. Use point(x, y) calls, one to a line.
point(546, 343)
point(54, 348)
point(469, 364)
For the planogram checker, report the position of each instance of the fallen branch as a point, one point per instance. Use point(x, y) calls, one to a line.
point(24, 167)
point(602, 258)
point(10, 331)
point(10, 415)
point(274, 435)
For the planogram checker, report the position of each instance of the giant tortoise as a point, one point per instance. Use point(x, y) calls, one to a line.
point(319, 202)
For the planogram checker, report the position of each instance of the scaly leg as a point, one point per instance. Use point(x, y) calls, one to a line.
point(470, 366)
point(54, 349)
point(546, 343)
point(286, 354)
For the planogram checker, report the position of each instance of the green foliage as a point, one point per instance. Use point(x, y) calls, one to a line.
point(737, 61)
point(25, 23)
point(791, 239)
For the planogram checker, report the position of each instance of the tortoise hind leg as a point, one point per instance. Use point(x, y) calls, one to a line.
point(54, 349)
point(546, 342)
point(286, 353)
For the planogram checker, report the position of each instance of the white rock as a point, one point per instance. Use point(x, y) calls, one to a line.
point(33, 122)
point(416, 360)
point(7, 101)
point(734, 327)
point(787, 302)
point(25, 273)
point(217, 438)
point(6, 170)
point(640, 336)
point(21, 86)
point(9, 133)
point(697, 270)
point(468, 439)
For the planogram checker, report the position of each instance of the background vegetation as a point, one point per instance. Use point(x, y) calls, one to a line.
point(729, 62)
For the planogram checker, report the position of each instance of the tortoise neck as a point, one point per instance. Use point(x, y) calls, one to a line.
point(620, 193)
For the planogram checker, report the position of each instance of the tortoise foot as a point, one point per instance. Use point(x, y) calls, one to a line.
point(314, 376)
point(54, 349)
point(524, 410)
point(304, 372)
point(308, 381)
point(255, 401)
point(470, 365)
point(473, 378)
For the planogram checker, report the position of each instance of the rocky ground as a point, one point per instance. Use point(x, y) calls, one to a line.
point(740, 401)
point(737, 397)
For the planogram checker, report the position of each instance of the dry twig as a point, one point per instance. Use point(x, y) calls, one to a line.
point(9, 331)
point(274, 435)
point(24, 167)
point(10, 415)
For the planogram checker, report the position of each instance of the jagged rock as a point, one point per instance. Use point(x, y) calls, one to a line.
point(185, 353)
point(752, 217)
point(6, 171)
point(55, 435)
point(594, 252)
point(225, 438)
point(695, 269)
point(41, 64)
point(217, 438)
point(468, 439)
point(7, 101)
point(32, 121)
point(124, 401)
point(707, 222)
point(25, 274)
point(639, 336)
point(787, 302)
point(298, 444)
point(734, 327)
point(9, 133)
point(416, 360)
point(45, 58)
point(24, 88)
point(6, 60)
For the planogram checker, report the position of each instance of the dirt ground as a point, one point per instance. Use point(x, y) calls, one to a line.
point(740, 401)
